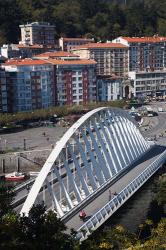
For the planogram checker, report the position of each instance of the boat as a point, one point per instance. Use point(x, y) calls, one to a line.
point(15, 176)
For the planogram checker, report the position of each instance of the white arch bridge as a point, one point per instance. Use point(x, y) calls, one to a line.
point(102, 149)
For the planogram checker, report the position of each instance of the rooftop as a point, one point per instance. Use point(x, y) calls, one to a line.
point(101, 45)
point(152, 39)
point(34, 46)
point(72, 62)
point(22, 62)
point(77, 39)
point(36, 24)
point(56, 54)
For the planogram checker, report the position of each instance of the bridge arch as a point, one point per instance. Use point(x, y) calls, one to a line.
point(94, 150)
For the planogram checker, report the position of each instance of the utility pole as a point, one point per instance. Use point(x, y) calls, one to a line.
point(24, 143)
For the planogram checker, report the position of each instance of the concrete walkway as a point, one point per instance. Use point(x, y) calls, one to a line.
point(103, 198)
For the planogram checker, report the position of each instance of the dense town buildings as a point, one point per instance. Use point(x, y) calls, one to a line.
point(112, 67)
point(152, 83)
point(37, 33)
point(76, 81)
point(24, 51)
point(68, 44)
point(84, 71)
point(145, 53)
point(111, 58)
point(30, 84)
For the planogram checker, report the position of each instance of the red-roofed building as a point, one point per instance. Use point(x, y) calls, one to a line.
point(75, 81)
point(111, 58)
point(68, 44)
point(145, 53)
point(25, 51)
point(30, 84)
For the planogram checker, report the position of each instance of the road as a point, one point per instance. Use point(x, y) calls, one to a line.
point(155, 126)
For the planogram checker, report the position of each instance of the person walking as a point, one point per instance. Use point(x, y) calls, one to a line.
point(110, 194)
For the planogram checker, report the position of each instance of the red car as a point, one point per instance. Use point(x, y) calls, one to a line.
point(82, 214)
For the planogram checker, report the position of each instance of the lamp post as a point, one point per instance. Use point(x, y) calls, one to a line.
point(24, 143)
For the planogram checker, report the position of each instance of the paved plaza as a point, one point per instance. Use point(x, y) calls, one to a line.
point(32, 139)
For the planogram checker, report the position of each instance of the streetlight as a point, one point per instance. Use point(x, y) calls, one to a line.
point(24, 143)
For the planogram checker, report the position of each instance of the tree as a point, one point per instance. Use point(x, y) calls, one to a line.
point(161, 191)
point(6, 197)
point(39, 230)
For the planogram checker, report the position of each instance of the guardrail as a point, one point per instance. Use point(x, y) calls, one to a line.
point(107, 210)
point(30, 182)
point(103, 187)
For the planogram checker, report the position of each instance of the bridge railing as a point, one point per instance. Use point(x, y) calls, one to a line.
point(106, 211)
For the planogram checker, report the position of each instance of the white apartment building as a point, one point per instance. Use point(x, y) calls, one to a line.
point(149, 83)
point(10, 51)
point(111, 58)
point(37, 33)
point(109, 89)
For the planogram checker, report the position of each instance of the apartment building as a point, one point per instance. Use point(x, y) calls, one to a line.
point(111, 58)
point(3, 92)
point(24, 51)
point(68, 44)
point(37, 33)
point(10, 51)
point(145, 53)
point(30, 84)
point(75, 81)
point(149, 83)
point(109, 89)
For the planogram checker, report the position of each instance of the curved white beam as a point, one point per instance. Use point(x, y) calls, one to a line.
point(51, 159)
point(97, 145)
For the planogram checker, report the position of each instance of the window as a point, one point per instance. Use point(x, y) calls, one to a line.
point(3, 87)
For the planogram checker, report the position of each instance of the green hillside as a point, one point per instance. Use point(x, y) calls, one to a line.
point(102, 19)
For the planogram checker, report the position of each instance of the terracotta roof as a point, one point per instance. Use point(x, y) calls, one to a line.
point(23, 62)
point(71, 62)
point(144, 39)
point(101, 45)
point(35, 46)
point(77, 39)
point(56, 54)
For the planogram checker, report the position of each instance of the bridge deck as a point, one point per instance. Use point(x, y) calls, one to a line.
point(97, 203)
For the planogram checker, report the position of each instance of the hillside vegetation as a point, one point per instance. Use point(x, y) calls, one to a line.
point(101, 19)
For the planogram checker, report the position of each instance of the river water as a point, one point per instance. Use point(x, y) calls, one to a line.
point(137, 209)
